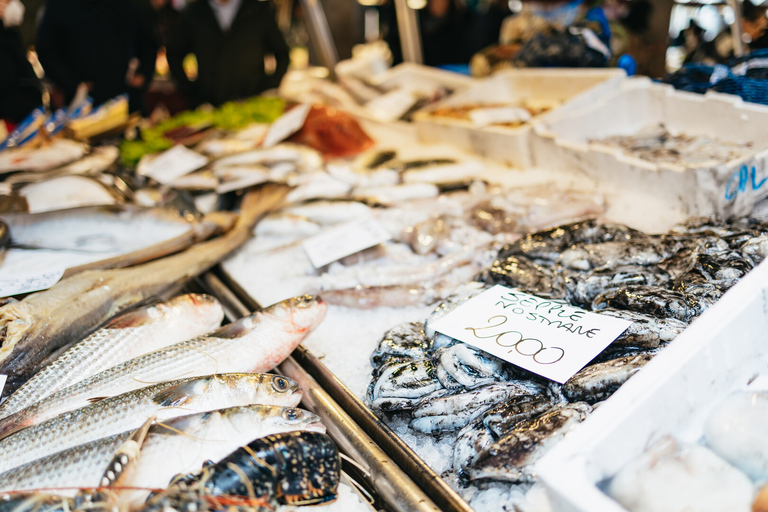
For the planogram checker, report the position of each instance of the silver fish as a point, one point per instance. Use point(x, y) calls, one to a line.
point(130, 335)
point(45, 321)
point(127, 411)
point(180, 445)
point(256, 343)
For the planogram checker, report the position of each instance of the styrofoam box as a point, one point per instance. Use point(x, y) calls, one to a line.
point(722, 189)
point(568, 87)
point(721, 351)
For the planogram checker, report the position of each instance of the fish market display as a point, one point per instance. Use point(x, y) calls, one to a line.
point(656, 144)
point(437, 242)
point(128, 336)
point(500, 114)
point(179, 445)
point(127, 411)
point(498, 419)
point(296, 468)
point(43, 322)
point(256, 343)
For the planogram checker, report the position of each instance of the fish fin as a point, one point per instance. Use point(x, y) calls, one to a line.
point(95, 399)
point(177, 395)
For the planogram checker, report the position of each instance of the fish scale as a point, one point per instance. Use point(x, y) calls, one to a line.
point(130, 335)
point(180, 445)
point(163, 401)
point(256, 343)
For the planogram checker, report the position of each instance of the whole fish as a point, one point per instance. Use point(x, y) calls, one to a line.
point(163, 401)
point(256, 343)
point(297, 468)
point(180, 445)
point(98, 229)
point(130, 335)
point(33, 328)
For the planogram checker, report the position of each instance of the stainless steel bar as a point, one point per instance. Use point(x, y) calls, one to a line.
point(393, 485)
point(736, 28)
point(320, 35)
point(408, 28)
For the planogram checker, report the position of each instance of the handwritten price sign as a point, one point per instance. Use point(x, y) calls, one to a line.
point(28, 282)
point(548, 337)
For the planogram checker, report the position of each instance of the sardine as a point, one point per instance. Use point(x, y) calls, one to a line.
point(180, 445)
point(127, 411)
point(511, 458)
point(43, 322)
point(130, 335)
point(597, 382)
point(256, 343)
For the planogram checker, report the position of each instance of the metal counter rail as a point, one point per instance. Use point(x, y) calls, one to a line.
point(430, 482)
point(392, 484)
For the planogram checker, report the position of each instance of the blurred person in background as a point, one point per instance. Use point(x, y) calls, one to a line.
point(20, 91)
point(105, 46)
point(230, 40)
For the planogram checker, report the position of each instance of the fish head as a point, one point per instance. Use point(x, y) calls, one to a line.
point(260, 388)
point(305, 312)
point(271, 417)
point(312, 471)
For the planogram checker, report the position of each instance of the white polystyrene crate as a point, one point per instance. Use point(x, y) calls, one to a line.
point(723, 189)
point(569, 88)
point(720, 352)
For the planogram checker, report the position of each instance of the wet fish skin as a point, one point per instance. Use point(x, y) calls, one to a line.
point(609, 254)
point(583, 288)
point(32, 329)
point(256, 343)
point(511, 457)
point(127, 411)
point(597, 382)
point(130, 335)
point(517, 271)
point(467, 366)
point(179, 445)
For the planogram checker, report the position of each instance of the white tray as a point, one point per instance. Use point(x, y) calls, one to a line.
point(719, 353)
point(570, 87)
point(724, 189)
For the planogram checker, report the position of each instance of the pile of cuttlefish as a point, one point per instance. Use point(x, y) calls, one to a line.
point(505, 418)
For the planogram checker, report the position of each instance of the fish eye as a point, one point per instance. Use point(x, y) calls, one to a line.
point(280, 383)
point(292, 414)
point(305, 300)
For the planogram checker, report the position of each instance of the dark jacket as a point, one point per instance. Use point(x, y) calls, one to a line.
point(94, 41)
point(20, 91)
point(230, 64)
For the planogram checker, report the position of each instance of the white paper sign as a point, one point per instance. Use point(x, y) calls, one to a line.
point(349, 238)
point(174, 163)
point(288, 124)
point(548, 337)
point(25, 282)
